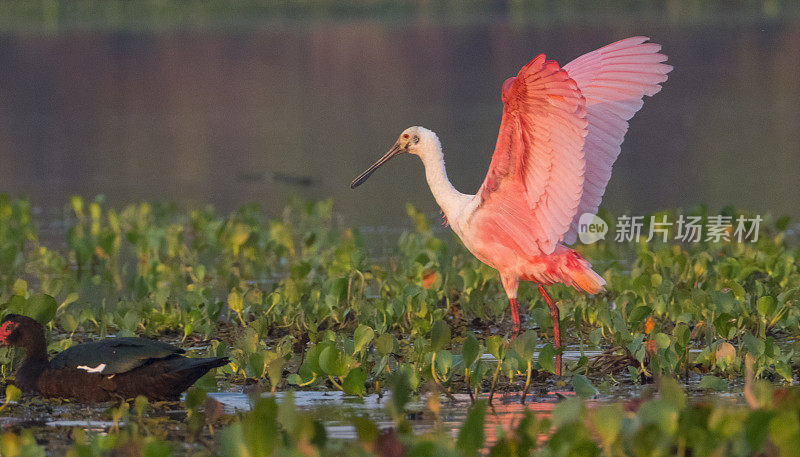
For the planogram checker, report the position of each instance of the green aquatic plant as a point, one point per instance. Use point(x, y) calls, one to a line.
point(666, 424)
point(16, 232)
point(297, 294)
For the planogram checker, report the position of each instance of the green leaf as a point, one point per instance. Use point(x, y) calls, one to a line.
point(546, 360)
point(275, 371)
point(440, 335)
point(724, 325)
point(42, 307)
point(634, 374)
point(525, 345)
point(711, 382)
point(194, 397)
point(71, 298)
point(754, 345)
point(140, 404)
point(662, 340)
point(401, 391)
point(671, 392)
point(583, 387)
point(332, 361)
point(682, 334)
point(256, 365)
point(765, 305)
point(756, 428)
point(607, 421)
point(661, 414)
point(444, 360)
point(279, 232)
point(725, 302)
point(494, 344)
point(470, 438)
point(655, 279)
point(595, 336)
point(362, 337)
point(299, 270)
point(12, 393)
point(386, 343)
point(468, 276)
point(784, 431)
point(567, 411)
point(235, 301)
point(312, 357)
point(469, 351)
point(20, 287)
point(639, 313)
point(784, 369)
point(157, 449)
point(367, 430)
point(353, 384)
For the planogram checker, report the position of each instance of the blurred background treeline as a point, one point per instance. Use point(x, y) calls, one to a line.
point(17, 14)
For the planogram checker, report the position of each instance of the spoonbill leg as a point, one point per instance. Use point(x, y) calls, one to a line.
point(556, 334)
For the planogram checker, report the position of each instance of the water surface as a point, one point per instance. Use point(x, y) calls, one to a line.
point(232, 115)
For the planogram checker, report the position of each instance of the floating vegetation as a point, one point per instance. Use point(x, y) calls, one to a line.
point(663, 424)
point(297, 304)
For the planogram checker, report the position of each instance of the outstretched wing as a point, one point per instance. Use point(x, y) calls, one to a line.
point(613, 80)
point(535, 179)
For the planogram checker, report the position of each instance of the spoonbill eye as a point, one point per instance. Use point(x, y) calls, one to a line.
point(405, 135)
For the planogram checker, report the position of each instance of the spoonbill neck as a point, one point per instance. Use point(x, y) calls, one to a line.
point(449, 199)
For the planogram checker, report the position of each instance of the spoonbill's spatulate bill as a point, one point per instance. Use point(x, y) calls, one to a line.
point(561, 132)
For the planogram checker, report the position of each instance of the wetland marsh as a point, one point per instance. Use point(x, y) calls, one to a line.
point(358, 325)
point(299, 306)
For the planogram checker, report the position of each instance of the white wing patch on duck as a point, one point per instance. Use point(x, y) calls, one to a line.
point(97, 369)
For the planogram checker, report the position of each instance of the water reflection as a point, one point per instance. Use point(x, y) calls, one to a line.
point(227, 117)
point(335, 409)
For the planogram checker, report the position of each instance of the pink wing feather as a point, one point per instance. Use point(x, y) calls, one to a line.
point(613, 80)
point(535, 179)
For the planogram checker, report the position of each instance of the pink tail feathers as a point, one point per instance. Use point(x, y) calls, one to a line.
point(577, 272)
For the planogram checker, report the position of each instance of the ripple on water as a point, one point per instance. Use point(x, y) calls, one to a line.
point(335, 409)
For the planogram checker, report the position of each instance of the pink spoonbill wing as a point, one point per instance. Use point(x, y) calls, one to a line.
point(613, 80)
point(535, 178)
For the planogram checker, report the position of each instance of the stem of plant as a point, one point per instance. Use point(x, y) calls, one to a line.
point(527, 383)
point(336, 384)
point(433, 368)
point(469, 389)
point(494, 381)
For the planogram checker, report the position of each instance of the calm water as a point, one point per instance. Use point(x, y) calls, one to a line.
point(229, 116)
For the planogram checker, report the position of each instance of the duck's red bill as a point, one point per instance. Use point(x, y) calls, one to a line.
point(6, 330)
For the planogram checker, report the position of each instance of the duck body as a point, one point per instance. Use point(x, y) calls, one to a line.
point(104, 370)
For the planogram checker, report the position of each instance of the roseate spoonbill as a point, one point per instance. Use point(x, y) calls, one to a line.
point(560, 134)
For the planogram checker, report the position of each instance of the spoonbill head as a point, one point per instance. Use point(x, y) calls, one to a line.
point(414, 140)
point(561, 132)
